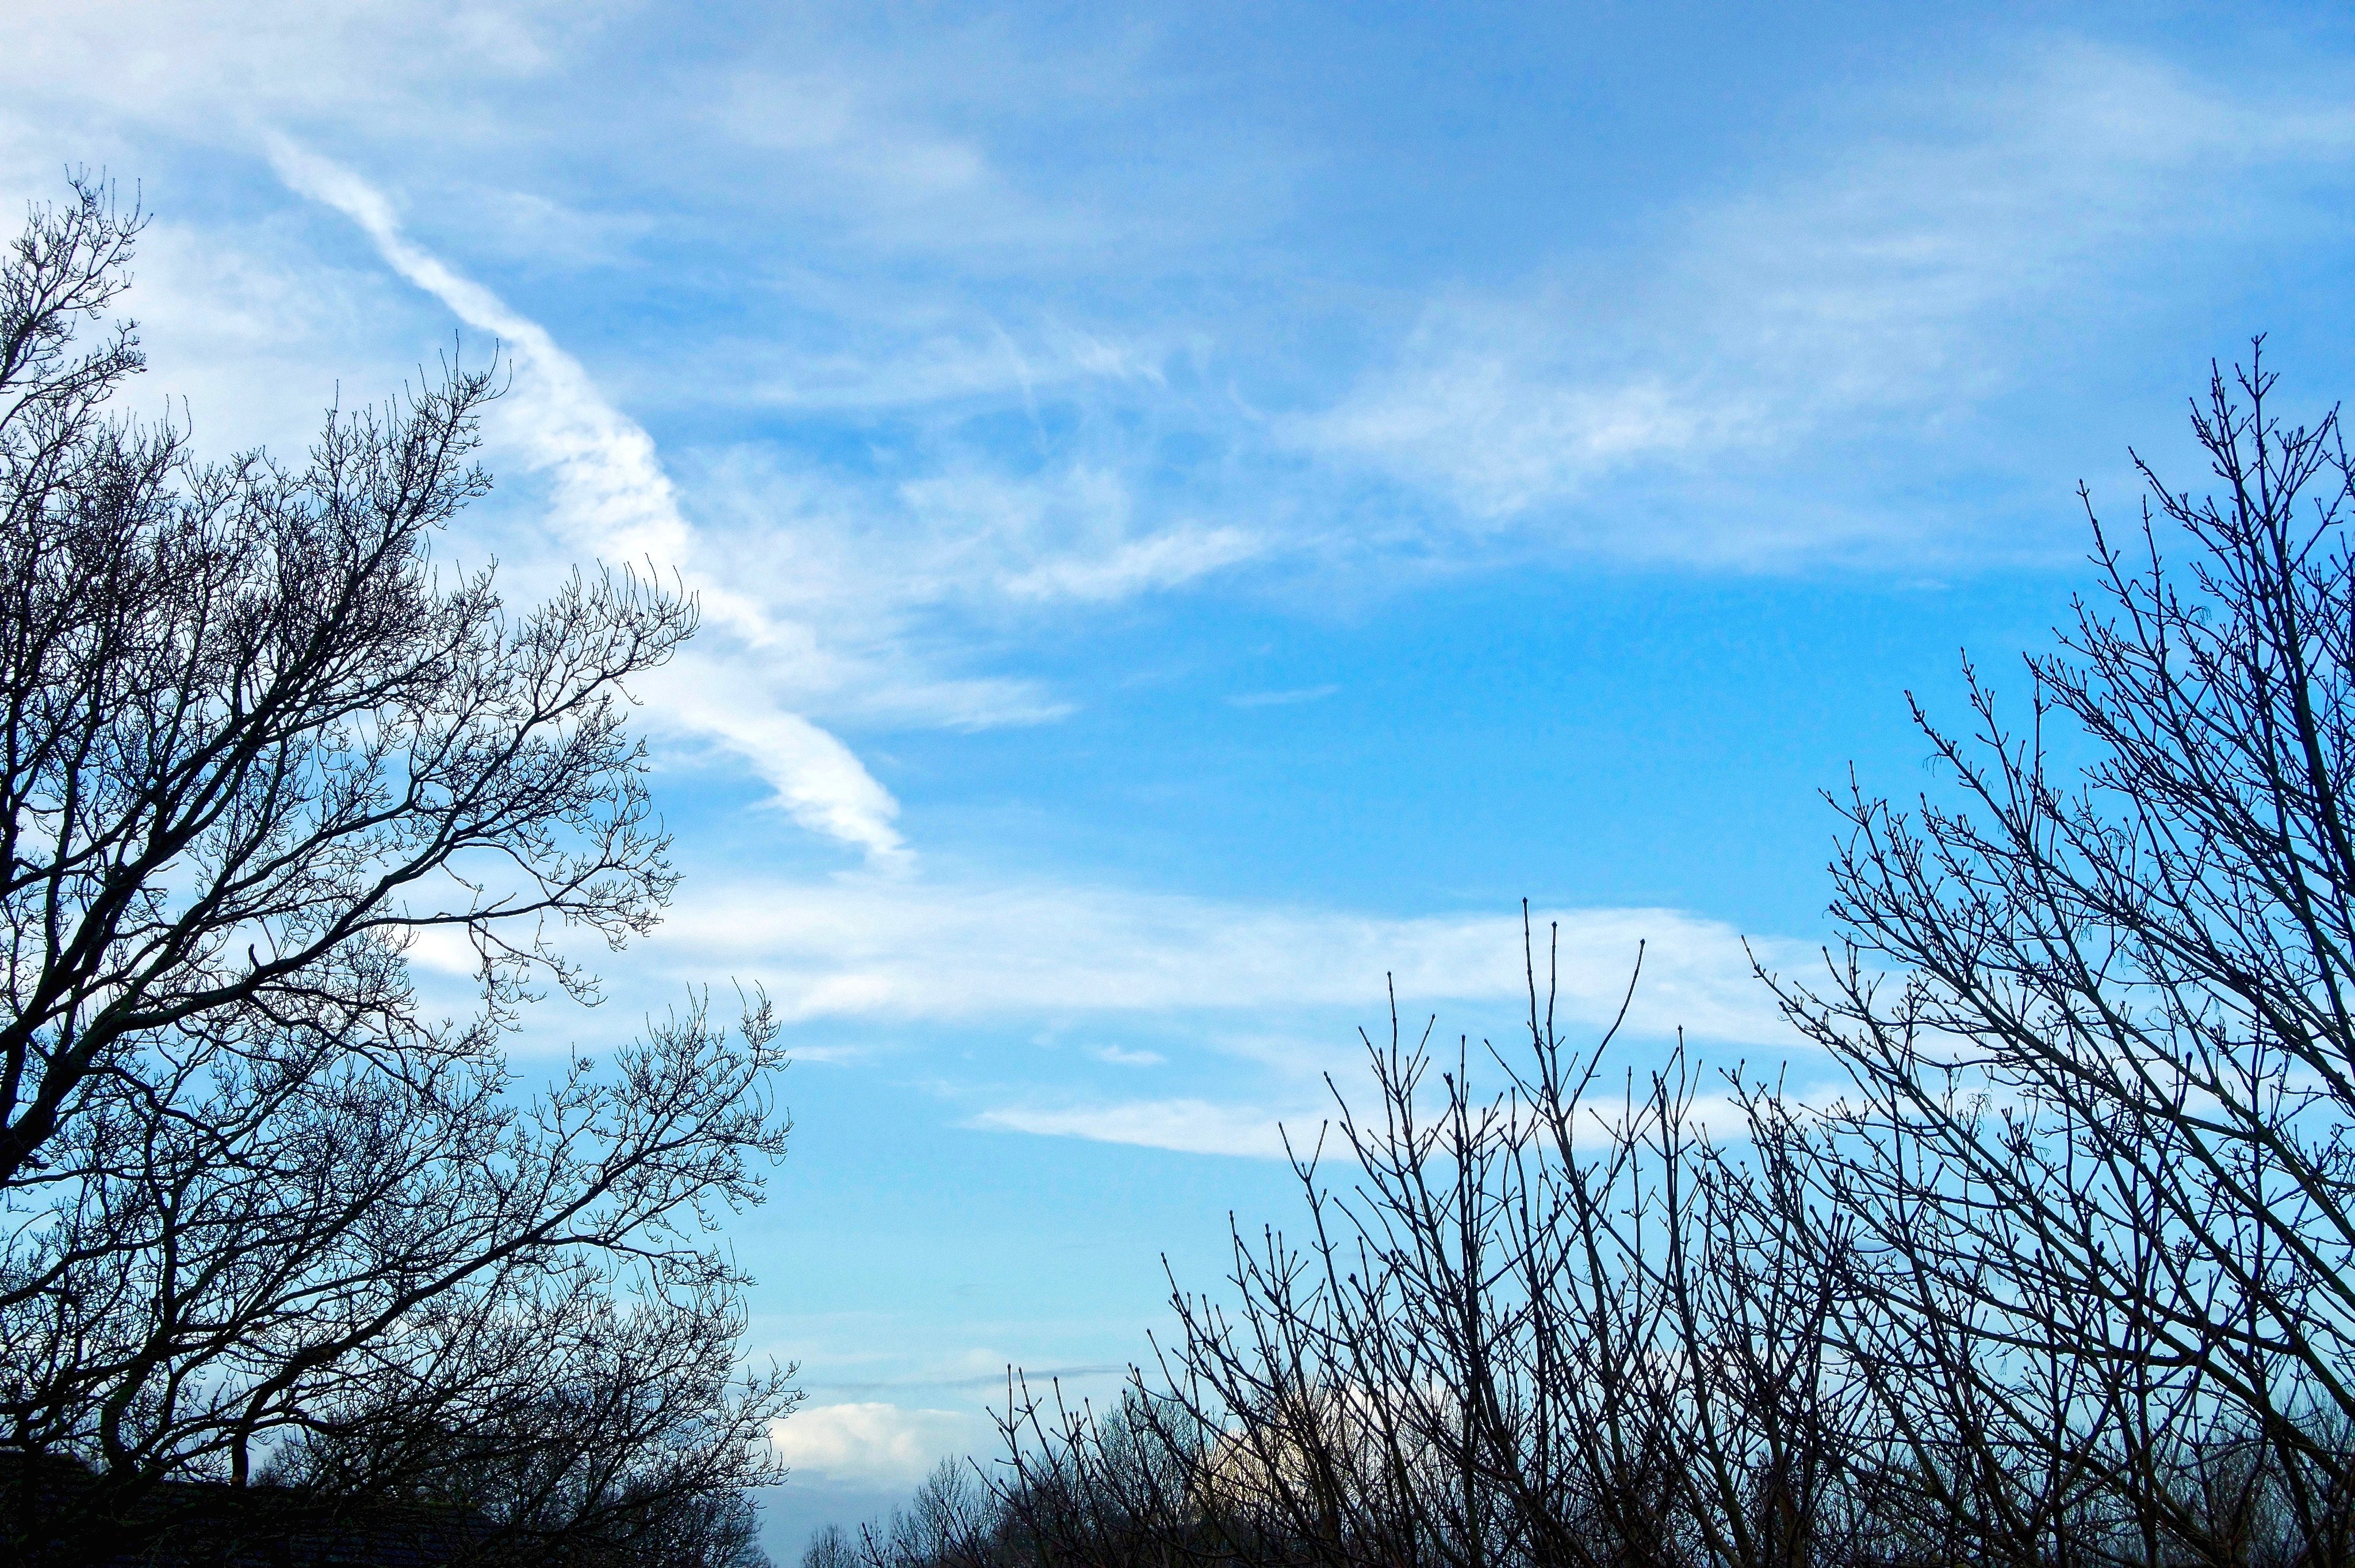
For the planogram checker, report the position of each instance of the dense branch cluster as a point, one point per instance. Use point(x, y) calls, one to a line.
point(269, 1221)
point(2063, 1274)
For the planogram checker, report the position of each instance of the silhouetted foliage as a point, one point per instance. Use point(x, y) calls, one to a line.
point(2063, 1274)
point(265, 1209)
point(2096, 1017)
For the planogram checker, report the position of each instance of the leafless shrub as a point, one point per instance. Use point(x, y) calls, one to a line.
point(1545, 1325)
point(2066, 1277)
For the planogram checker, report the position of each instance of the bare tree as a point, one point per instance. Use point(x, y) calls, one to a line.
point(265, 1211)
point(2097, 1015)
point(1542, 1325)
point(2066, 1277)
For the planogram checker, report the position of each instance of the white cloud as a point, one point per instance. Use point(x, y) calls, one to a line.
point(1125, 1058)
point(1905, 278)
point(1883, 272)
point(250, 338)
point(1167, 559)
point(1290, 697)
point(1470, 411)
point(1240, 1009)
point(613, 497)
point(928, 140)
point(1068, 535)
point(890, 580)
point(410, 70)
point(915, 948)
point(1188, 1126)
point(1308, 1129)
point(874, 1445)
point(819, 780)
point(823, 122)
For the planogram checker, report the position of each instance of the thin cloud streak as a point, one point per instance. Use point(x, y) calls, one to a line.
point(1287, 698)
point(613, 498)
point(1183, 1127)
point(909, 949)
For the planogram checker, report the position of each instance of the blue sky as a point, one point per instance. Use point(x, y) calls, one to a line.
point(1200, 508)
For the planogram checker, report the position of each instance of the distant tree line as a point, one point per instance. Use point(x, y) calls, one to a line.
point(2063, 1274)
point(293, 1267)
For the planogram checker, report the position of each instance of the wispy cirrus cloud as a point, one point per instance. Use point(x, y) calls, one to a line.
point(1171, 558)
point(1184, 1125)
point(1066, 1000)
point(613, 498)
point(1884, 285)
point(928, 948)
point(1899, 259)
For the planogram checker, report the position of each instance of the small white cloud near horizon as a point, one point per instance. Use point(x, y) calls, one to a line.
point(873, 1444)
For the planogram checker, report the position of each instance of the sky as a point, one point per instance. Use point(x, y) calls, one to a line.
point(1200, 511)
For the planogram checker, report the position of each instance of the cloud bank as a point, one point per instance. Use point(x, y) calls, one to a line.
point(872, 1443)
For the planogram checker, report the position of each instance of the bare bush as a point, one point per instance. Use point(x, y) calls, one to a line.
point(2065, 1275)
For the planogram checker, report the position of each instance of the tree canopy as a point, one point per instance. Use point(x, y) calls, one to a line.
point(269, 1220)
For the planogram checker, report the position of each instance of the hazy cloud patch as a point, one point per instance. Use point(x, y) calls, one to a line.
point(1887, 286)
point(913, 948)
point(1187, 1126)
point(874, 1444)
